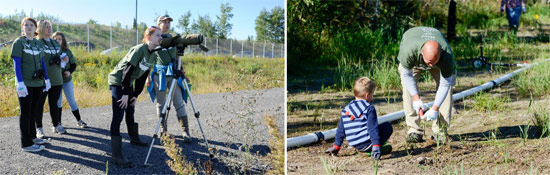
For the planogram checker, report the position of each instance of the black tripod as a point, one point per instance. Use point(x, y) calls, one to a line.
point(168, 102)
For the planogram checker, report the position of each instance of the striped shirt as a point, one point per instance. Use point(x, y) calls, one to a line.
point(358, 124)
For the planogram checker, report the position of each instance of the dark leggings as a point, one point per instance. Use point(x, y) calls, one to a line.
point(118, 113)
point(53, 96)
point(384, 130)
point(31, 109)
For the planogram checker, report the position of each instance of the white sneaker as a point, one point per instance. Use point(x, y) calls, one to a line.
point(59, 129)
point(34, 148)
point(40, 133)
point(39, 141)
point(82, 124)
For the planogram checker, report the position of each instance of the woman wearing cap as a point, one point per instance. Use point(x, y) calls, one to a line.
point(132, 69)
point(165, 59)
point(68, 65)
point(52, 59)
point(32, 80)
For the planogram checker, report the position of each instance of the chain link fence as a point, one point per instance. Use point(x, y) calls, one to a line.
point(107, 38)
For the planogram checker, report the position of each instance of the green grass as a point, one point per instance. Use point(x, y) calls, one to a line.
point(486, 102)
point(535, 81)
point(207, 74)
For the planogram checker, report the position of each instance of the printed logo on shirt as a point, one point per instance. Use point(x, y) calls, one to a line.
point(50, 51)
point(428, 33)
point(31, 51)
point(144, 65)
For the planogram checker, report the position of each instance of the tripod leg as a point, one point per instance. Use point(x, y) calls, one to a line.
point(197, 114)
point(164, 111)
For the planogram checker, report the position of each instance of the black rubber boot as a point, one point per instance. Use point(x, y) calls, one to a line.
point(116, 147)
point(133, 132)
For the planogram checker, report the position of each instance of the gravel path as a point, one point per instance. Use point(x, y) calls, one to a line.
point(85, 151)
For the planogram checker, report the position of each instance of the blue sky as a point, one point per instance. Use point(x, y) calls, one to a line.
point(123, 11)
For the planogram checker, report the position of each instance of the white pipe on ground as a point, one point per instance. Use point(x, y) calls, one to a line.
point(330, 134)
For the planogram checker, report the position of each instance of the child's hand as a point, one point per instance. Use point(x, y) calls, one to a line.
point(375, 154)
point(333, 150)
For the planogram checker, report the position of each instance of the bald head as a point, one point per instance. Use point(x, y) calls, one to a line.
point(431, 52)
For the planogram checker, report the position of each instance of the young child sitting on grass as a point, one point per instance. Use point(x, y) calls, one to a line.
point(359, 123)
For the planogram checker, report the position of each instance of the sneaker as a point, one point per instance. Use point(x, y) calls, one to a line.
point(415, 138)
point(39, 141)
point(82, 124)
point(40, 133)
point(59, 129)
point(34, 148)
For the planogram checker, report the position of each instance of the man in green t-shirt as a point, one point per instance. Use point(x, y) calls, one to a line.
point(166, 59)
point(421, 49)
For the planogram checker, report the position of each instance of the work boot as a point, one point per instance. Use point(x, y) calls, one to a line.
point(184, 128)
point(133, 132)
point(116, 147)
point(415, 138)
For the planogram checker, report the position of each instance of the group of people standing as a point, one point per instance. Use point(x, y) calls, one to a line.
point(43, 66)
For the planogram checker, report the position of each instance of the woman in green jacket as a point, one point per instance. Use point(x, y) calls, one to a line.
point(133, 69)
point(68, 66)
point(32, 81)
point(52, 59)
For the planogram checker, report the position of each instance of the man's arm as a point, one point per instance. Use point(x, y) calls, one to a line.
point(445, 85)
point(408, 81)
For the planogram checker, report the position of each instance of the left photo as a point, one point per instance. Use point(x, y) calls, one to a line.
point(142, 87)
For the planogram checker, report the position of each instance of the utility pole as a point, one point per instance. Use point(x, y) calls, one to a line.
point(137, 39)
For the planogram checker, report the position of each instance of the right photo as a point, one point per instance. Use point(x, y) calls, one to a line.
point(418, 87)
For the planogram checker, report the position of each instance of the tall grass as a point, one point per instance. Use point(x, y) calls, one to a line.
point(207, 74)
point(486, 102)
point(276, 159)
point(366, 53)
point(177, 161)
point(535, 81)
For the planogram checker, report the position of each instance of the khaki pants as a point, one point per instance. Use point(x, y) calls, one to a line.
point(161, 96)
point(412, 118)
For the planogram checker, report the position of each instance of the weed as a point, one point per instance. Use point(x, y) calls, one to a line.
point(241, 130)
point(177, 161)
point(535, 81)
point(375, 165)
point(333, 166)
point(487, 103)
point(106, 167)
point(276, 158)
point(325, 165)
point(541, 121)
point(524, 133)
